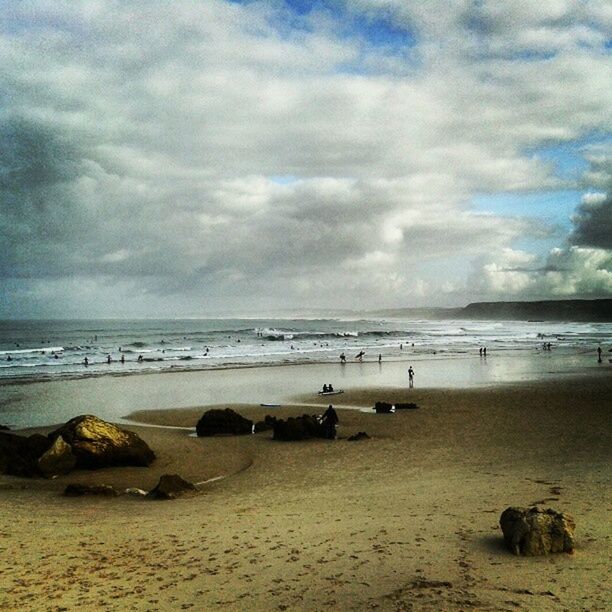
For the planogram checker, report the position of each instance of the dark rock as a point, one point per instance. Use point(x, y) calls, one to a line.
point(407, 406)
point(266, 425)
point(298, 428)
point(97, 444)
point(4, 428)
point(171, 486)
point(57, 460)
point(79, 490)
point(384, 408)
point(362, 435)
point(214, 422)
point(19, 454)
point(533, 531)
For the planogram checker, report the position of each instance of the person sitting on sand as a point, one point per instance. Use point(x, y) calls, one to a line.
point(325, 389)
point(330, 388)
point(329, 421)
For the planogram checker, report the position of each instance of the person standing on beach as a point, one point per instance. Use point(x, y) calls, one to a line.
point(599, 354)
point(108, 359)
point(379, 357)
point(329, 421)
point(342, 358)
point(410, 377)
point(85, 361)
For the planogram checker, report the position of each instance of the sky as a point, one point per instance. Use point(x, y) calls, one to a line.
point(219, 157)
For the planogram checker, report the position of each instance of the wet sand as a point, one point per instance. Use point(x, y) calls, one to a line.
point(407, 520)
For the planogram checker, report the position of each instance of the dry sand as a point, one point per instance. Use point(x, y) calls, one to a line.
point(407, 520)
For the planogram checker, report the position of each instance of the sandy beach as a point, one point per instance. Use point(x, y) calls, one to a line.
point(407, 520)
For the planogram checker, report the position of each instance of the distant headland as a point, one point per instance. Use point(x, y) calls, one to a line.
point(545, 310)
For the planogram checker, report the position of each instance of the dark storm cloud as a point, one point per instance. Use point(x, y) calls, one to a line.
point(593, 224)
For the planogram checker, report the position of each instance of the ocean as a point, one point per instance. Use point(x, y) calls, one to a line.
point(42, 350)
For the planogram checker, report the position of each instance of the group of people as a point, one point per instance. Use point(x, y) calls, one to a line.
point(483, 351)
point(328, 388)
point(109, 359)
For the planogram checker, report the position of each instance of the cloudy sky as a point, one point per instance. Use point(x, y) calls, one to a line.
point(207, 157)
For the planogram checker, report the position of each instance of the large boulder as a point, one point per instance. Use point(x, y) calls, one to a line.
point(19, 454)
point(298, 428)
point(533, 531)
point(171, 486)
point(98, 444)
point(57, 460)
point(384, 408)
point(217, 422)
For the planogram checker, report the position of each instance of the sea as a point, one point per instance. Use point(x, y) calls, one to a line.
point(43, 350)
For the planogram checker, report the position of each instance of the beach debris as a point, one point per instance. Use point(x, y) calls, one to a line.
point(57, 460)
point(171, 486)
point(266, 425)
point(97, 444)
point(218, 422)
point(80, 490)
point(19, 454)
point(361, 435)
point(135, 491)
point(384, 408)
point(535, 531)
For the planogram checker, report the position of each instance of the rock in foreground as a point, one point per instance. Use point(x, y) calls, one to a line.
point(218, 422)
point(171, 486)
point(533, 531)
point(98, 444)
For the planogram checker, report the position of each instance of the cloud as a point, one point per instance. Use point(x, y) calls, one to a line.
point(140, 144)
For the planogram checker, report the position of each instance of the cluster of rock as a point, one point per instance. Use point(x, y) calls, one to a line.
point(299, 428)
point(85, 442)
point(533, 531)
point(387, 408)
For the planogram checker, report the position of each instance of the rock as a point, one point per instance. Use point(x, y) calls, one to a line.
point(266, 425)
point(298, 428)
point(533, 531)
point(4, 428)
point(97, 444)
point(384, 408)
point(79, 490)
point(171, 486)
point(362, 435)
point(214, 422)
point(407, 406)
point(57, 460)
point(19, 454)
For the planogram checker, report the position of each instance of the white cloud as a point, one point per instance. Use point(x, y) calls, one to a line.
point(156, 131)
